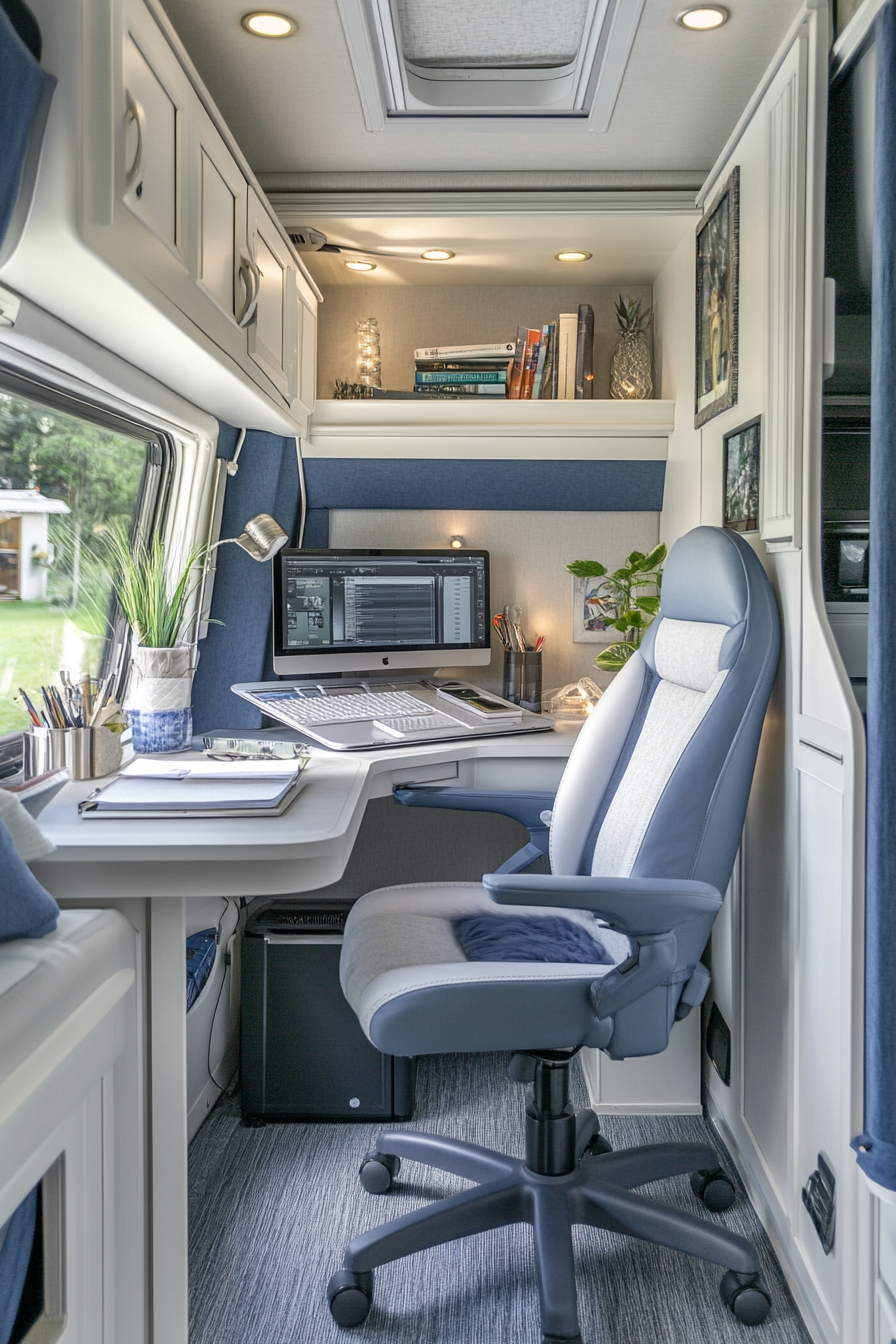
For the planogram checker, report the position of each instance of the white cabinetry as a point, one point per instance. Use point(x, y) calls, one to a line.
point(149, 233)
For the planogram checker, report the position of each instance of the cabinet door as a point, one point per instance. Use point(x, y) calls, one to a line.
point(218, 233)
point(307, 344)
point(152, 104)
point(273, 332)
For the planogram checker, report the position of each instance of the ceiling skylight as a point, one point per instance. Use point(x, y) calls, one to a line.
point(489, 58)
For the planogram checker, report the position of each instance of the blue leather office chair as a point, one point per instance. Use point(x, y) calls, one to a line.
point(643, 834)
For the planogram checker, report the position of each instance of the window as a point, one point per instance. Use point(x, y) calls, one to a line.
point(67, 470)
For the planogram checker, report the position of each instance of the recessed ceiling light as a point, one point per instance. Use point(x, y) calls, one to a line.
point(263, 24)
point(703, 18)
point(572, 256)
point(436, 254)
point(361, 265)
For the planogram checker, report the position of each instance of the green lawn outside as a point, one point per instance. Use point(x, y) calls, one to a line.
point(36, 640)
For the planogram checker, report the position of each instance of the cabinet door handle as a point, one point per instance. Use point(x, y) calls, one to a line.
point(251, 278)
point(134, 112)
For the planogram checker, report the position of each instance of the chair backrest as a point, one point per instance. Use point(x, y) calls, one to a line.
point(658, 782)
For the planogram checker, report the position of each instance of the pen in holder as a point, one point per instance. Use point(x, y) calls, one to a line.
point(522, 678)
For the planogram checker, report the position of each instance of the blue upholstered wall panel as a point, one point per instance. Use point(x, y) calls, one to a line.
point(240, 650)
point(877, 1146)
point(407, 483)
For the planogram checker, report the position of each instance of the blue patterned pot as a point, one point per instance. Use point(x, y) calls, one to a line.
point(158, 705)
point(155, 730)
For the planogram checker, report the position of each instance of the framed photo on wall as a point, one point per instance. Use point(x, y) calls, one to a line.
point(718, 245)
point(592, 613)
point(741, 502)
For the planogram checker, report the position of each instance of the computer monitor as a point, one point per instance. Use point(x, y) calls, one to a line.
point(353, 611)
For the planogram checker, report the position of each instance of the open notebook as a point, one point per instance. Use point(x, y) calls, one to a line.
point(200, 787)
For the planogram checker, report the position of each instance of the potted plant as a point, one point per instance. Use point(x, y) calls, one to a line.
point(157, 607)
point(623, 591)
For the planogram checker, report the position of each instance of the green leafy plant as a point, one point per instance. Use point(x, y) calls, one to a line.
point(623, 588)
point(155, 603)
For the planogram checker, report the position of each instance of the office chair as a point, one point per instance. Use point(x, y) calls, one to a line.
point(603, 951)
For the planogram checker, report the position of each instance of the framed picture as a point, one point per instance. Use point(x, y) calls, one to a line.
point(741, 503)
point(592, 613)
point(716, 333)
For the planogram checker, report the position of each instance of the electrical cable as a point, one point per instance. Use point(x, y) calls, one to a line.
point(301, 466)
point(211, 1030)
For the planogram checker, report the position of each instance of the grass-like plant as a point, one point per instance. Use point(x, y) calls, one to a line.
point(635, 609)
point(155, 603)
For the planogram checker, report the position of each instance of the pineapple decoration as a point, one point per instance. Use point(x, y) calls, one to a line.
point(630, 378)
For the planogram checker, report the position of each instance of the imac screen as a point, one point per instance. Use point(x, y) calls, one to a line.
point(350, 610)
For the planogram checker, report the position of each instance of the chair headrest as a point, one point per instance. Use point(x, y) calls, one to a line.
point(706, 577)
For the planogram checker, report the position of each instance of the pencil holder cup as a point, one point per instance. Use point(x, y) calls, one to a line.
point(44, 751)
point(92, 752)
point(522, 679)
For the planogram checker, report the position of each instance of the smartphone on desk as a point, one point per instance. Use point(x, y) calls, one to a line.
point(478, 702)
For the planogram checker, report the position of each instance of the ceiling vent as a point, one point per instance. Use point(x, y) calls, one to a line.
point(414, 59)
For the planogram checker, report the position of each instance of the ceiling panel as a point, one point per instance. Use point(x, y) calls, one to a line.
point(294, 107)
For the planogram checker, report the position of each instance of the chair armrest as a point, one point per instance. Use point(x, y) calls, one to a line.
point(524, 805)
point(637, 906)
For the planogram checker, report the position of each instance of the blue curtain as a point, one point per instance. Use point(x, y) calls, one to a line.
point(22, 85)
point(876, 1147)
point(240, 650)
point(14, 1256)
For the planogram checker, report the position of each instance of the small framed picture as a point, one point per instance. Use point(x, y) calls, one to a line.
point(718, 241)
point(592, 614)
point(741, 503)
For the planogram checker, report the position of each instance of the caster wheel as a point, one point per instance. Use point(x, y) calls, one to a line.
point(597, 1147)
point(746, 1296)
point(713, 1189)
point(254, 1122)
point(349, 1296)
point(377, 1172)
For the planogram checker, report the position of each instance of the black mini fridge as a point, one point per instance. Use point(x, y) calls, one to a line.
point(303, 1055)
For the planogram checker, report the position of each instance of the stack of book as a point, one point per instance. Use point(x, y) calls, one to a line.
point(463, 370)
point(555, 361)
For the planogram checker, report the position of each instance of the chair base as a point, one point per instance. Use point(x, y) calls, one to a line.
point(598, 1192)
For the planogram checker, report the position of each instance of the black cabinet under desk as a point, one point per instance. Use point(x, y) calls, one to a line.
point(303, 1055)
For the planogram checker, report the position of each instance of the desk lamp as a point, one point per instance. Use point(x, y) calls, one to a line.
point(261, 538)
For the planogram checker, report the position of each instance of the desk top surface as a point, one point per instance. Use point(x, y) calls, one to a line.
point(258, 855)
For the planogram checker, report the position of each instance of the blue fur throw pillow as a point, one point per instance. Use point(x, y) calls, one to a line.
point(528, 938)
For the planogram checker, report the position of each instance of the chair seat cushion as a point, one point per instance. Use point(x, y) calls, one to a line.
point(405, 975)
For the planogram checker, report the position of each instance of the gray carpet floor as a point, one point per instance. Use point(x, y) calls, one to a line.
point(271, 1210)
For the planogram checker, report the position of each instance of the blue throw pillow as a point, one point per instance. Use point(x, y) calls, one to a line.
point(26, 909)
point(528, 938)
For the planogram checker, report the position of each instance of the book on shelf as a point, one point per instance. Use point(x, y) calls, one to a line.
point(543, 349)
point(473, 365)
point(584, 374)
point(460, 376)
point(566, 356)
point(523, 375)
point(494, 351)
point(516, 368)
point(547, 389)
point(460, 389)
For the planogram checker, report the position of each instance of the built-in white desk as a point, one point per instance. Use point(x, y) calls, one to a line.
point(149, 869)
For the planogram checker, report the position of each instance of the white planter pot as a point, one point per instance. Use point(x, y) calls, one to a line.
point(158, 704)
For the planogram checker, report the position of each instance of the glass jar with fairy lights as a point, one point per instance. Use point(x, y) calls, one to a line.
point(369, 353)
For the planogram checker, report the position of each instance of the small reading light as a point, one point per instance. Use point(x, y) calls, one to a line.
point(702, 19)
point(572, 256)
point(457, 543)
point(360, 265)
point(436, 254)
point(268, 25)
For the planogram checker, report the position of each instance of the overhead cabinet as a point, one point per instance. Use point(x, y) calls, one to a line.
point(153, 194)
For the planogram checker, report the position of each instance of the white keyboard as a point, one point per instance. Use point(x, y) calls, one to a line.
point(351, 708)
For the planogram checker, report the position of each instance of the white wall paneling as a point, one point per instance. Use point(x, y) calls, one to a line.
point(785, 116)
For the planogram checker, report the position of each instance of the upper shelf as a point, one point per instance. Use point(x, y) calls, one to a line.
point(586, 430)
